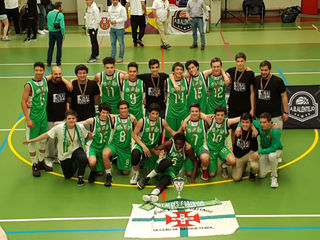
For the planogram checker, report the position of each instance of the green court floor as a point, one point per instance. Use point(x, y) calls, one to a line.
point(37, 208)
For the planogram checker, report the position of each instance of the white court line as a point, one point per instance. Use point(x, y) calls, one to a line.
point(127, 217)
point(8, 130)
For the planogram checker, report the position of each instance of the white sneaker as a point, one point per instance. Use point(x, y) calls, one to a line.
point(41, 32)
point(134, 179)
point(150, 198)
point(45, 30)
point(48, 162)
point(98, 57)
point(274, 182)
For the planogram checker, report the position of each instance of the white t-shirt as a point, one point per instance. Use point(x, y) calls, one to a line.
point(11, 4)
point(161, 9)
point(58, 132)
point(136, 7)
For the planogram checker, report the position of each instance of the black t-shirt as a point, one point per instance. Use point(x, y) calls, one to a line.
point(150, 88)
point(268, 95)
point(244, 144)
point(84, 105)
point(239, 99)
point(57, 101)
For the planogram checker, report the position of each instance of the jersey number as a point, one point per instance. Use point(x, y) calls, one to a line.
point(122, 136)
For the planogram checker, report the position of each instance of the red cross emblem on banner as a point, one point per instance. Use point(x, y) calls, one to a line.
point(105, 23)
point(182, 219)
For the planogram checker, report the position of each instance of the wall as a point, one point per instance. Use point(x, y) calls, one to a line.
point(236, 5)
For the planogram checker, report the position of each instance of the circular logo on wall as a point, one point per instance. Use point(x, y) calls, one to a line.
point(104, 23)
point(303, 106)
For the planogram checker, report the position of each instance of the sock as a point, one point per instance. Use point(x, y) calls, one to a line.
point(155, 191)
point(152, 174)
point(34, 159)
point(108, 171)
point(224, 165)
point(135, 172)
point(41, 156)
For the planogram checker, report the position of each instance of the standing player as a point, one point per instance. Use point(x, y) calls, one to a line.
point(36, 92)
point(110, 81)
point(120, 144)
point(101, 131)
point(169, 167)
point(133, 91)
point(147, 135)
point(216, 85)
point(176, 110)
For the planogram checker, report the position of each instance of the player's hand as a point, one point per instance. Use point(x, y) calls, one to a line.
point(157, 152)
point(69, 86)
point(29, 104)
point(177, 88)
point(275, 125)
point(184, 125)
point(238, 131)
point(285, 117)
point(146, 151)
point(188, 146)
point(29, 123)
point(90, 136)
point(26, 142)
point(252, 112)
point(132, 118)
point(192, 180)
point(255, 156)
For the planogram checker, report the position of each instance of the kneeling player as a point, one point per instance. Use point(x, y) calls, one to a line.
point(169, 167)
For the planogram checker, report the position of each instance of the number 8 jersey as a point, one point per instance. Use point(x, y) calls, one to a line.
point(121, 136)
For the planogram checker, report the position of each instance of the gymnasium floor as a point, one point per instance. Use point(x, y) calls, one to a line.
point(50, 207)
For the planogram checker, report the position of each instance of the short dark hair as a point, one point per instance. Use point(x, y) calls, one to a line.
point(265, 63)
point(39, 64)
point(216, 59)
point(196, 105)
point(246, 116)
point(177, 64)
point(179, 136)
point(133, 64)
point(71, 112)
point(266, 115)
point(104, 106)
point(153, 61)
point(80, 67)
point(240, 55)
point(154, 107)
point(57, 5)
point(109, 60)
point(194, 62)
point(220, 109)
point(122, 102)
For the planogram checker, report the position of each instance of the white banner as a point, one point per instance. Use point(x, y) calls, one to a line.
point(200, 221)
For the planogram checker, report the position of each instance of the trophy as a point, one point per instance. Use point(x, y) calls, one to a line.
point(178, 184)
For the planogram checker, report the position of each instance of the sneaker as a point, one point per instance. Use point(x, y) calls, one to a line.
point(42, 32)
point(193, 46)
point(34, 38)
point(43, 166)
point(80, 181)
point(92, 177)
point(162, 46)
point(205, 174)
point(27, 39)
point(140, 43)
point(224, 172)
point(167, 46)
point(58, 64)
point(202, 48)
point(56, 161)
point(35, 170)
point(135, 44)
point(45, 30)
point(274, 182)
point(120, 60)
point(150, 198)
point(6, 38)
point(143, 182)
point(97, 57)
point(108, 181)
point(48, 161)
point(252, 176)
point(91, 60)
point(134, 179)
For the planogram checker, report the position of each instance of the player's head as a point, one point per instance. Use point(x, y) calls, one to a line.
point(57, 5)
point(265, 120)
point(177, 69)
point(71, 117)
point(109, 65)
point(241, 60)
point(39, 70)
point(123, 107)
point(89, 2)
point(115, 2)
point(133, 70)
point(220, 112)
point(81, 71)
point(265, 68)
point(56, 74)
point(216, 65)
point(246, 120)
point(104, 110)
point(193, 67)
point(179, 140)
point(153, 62)
point(195, 111)
point(154, 111)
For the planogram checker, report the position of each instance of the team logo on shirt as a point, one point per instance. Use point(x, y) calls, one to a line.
point(180, 21)
point(303, 106)
point(105, 23)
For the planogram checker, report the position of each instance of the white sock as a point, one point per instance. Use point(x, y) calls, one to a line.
point(41, 156)
point(155, 191)
point(135, 171)
point(34, 159)
point(108, 171)
point(152, 174)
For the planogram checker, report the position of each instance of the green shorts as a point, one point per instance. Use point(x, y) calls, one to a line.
point(169, 171)
point(188, 164)
point(174, 123)
point(150, 161)
point(124, 157)
point(98, 154)
point(39, 127)
point(214, 155)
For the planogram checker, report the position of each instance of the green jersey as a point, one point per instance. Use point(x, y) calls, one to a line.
point(177, 101)
point(121, 137)
point(110, 86)
point(217, 90)
point(101, 132)
point(198, 92)
point(133, 94)
point(38, 98)
point(217, 135)
point(151, 132)
point(177, 158)
point(196, 134)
